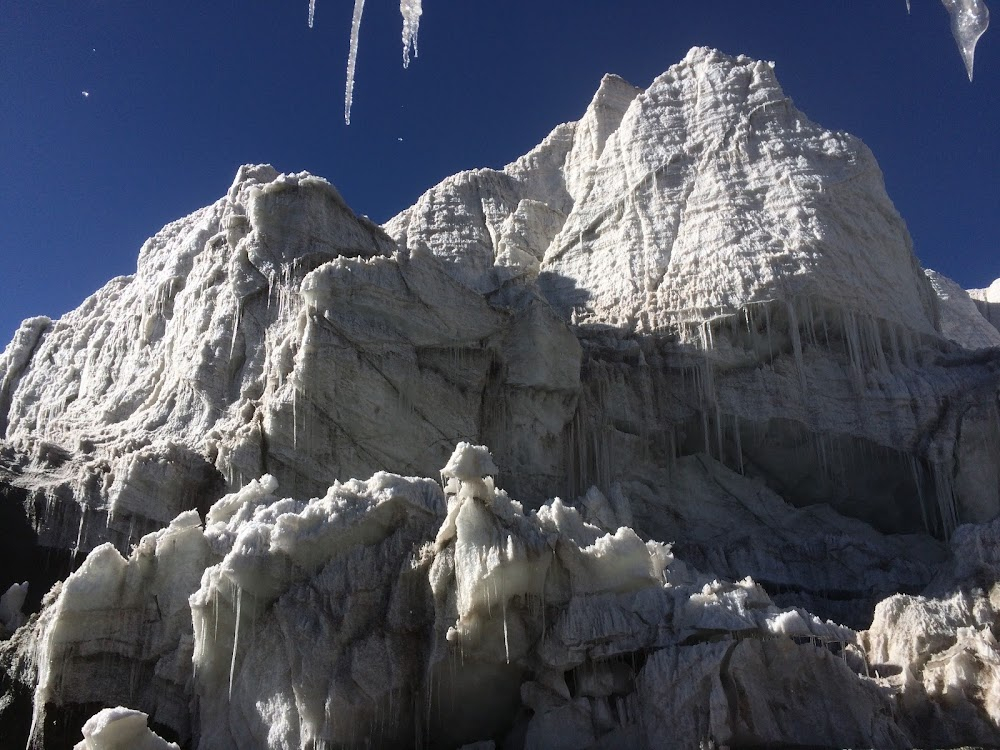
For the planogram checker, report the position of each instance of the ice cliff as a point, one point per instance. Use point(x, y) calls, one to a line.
point(740, 485)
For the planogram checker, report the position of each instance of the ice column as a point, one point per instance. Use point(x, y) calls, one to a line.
point(352, 57)
point(969, 20)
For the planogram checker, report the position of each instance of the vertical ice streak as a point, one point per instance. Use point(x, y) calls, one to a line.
point(969, 20)
point(410, 10)
point(236, 639)
point(352, 57)
point(312, 12)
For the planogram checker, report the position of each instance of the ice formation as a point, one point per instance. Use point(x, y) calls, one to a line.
point(120, 729)
point(373, 612)
point(740, 487)
point(969, 21)
point(411, 11)
point(352, 58)
point(961, 320)
point(11, 603)
point(986, 300)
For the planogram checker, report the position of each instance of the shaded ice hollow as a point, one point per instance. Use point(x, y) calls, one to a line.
point(741, 483)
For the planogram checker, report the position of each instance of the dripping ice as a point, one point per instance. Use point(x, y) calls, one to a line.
point(411, 11)
point(352, 57)
point(969, 20)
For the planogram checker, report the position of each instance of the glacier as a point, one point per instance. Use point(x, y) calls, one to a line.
point(658, 436)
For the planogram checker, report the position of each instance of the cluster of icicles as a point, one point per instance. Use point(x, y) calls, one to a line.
point(409, 9)
point(969, 21)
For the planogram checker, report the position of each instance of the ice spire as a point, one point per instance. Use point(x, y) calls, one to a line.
point(969, 19)
point(410, 10)
point(352, 58)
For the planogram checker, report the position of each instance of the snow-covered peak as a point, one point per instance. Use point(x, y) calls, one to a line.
point(251, 174)
point(988, 302)
point(186, 344)
point(715, 193)
point(961, 321)
point(989, 294)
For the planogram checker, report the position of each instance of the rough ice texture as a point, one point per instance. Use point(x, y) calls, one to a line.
point(11, 617)
point(690, 317)
point(988, 302)
point(368, 613)
point(961, 320)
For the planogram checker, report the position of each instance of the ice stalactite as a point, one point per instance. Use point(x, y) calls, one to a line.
point(969, 21)
point(236, 638)
point(410, 10)
point(312, 12)
point(352, 58)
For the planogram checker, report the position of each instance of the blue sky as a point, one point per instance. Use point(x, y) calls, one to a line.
point(183, 92)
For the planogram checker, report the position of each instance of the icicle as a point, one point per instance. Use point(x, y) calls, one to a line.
point(946, 499)
point(312, 11)
point(506, 640)
point(969, 20)
point(295, 418)
point(352, 57)
point(793, 329)
point(237, 313)
point(79, 533)
point(915, 471)
point(236, 640)
point(410, 10)
point(739, 443)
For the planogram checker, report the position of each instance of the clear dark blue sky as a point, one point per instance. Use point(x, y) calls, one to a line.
point(183, 92)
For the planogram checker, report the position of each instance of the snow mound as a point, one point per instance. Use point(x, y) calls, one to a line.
point(121, 729)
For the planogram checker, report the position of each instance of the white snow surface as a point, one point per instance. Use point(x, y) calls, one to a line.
point(988, 302)
point(120, 729)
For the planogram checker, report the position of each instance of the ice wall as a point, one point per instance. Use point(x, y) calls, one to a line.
point(749, 392)
point(394, 611)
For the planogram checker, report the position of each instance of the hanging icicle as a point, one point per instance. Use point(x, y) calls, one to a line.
point(352, 58)
point(969, 21)
point(410, 10)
